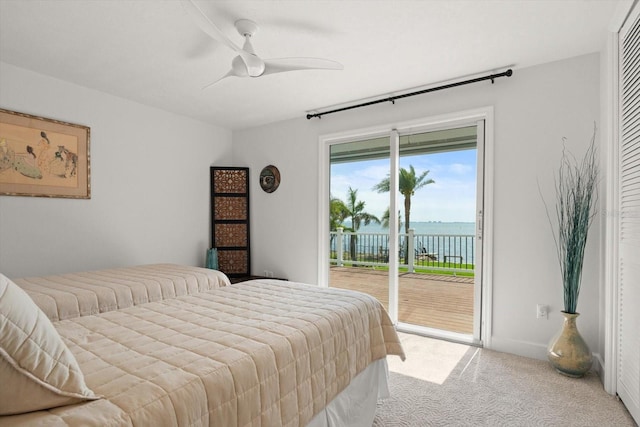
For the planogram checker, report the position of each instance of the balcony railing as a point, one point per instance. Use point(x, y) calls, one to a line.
point(427, 251)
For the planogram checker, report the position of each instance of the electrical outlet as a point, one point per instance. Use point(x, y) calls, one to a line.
point(542, 311)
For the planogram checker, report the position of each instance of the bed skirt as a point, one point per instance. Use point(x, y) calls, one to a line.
point(366, 388)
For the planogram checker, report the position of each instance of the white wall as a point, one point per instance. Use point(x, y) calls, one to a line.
point(149, 183)
point(534, 110)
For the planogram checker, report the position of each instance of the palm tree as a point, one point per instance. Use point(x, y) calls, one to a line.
point(408, 183)
point(355, 210)
point(386, 217)
point(338, 212)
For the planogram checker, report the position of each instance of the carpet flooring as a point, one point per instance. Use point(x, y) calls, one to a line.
point(449, 384)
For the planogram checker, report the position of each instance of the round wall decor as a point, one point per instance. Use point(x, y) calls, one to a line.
point(270, 178)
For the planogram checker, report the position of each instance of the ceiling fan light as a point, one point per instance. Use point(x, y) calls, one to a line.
point(239, 67)
point(254, 65)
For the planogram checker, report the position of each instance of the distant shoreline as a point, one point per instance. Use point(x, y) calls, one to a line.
point(426, 227)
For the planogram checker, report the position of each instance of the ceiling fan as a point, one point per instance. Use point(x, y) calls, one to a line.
point(247, 63)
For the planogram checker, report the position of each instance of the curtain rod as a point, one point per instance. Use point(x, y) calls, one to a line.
point(392, 99)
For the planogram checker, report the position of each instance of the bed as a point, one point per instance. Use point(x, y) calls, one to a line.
point(174, 345)
point(67, 296)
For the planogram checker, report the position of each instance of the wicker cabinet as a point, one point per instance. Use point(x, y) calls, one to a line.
point(230, 219)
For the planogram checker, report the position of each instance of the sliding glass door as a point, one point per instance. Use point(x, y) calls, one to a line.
point(404, 215)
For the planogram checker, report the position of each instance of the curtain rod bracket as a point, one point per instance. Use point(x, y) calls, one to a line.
point(392, 99)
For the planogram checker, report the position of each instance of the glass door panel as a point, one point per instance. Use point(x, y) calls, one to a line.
point(359, 239)
point(437, 198)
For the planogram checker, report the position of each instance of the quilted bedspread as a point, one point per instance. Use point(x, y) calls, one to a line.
point(82, 294)
point(259, 353)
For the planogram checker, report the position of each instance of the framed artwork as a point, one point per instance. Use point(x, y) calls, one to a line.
point(43, 157)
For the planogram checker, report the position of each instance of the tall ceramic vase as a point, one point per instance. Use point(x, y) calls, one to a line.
point(567, 351)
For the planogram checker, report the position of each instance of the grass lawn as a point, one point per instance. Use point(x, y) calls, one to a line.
point(454, 269)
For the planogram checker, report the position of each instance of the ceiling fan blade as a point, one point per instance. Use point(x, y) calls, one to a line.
point(229, 74)
point(206, 25)
point(282, 65)
point(238, 69)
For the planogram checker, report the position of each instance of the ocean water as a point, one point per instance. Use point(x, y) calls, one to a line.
point(431, 227)
point(455, 240)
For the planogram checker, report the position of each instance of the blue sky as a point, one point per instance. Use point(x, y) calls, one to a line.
point(451, 198)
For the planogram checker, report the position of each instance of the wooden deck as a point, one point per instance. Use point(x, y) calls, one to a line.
point(440, 302)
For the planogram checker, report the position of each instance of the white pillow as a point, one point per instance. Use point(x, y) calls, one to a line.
point(37, 370)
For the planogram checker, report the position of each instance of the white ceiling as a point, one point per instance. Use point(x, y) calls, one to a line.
point(150, 51)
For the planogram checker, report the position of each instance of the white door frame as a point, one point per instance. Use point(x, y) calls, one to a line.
point(482, 332)
point(394, 168)
point(480, 192)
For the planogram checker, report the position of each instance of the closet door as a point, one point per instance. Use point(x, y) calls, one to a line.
point(628, 383)
point(230, 219)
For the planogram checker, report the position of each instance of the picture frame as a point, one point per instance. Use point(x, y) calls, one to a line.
point(43, 157)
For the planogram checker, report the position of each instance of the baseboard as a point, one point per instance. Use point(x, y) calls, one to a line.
point(519, 348)
point(598, 366)
point(538, 351)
